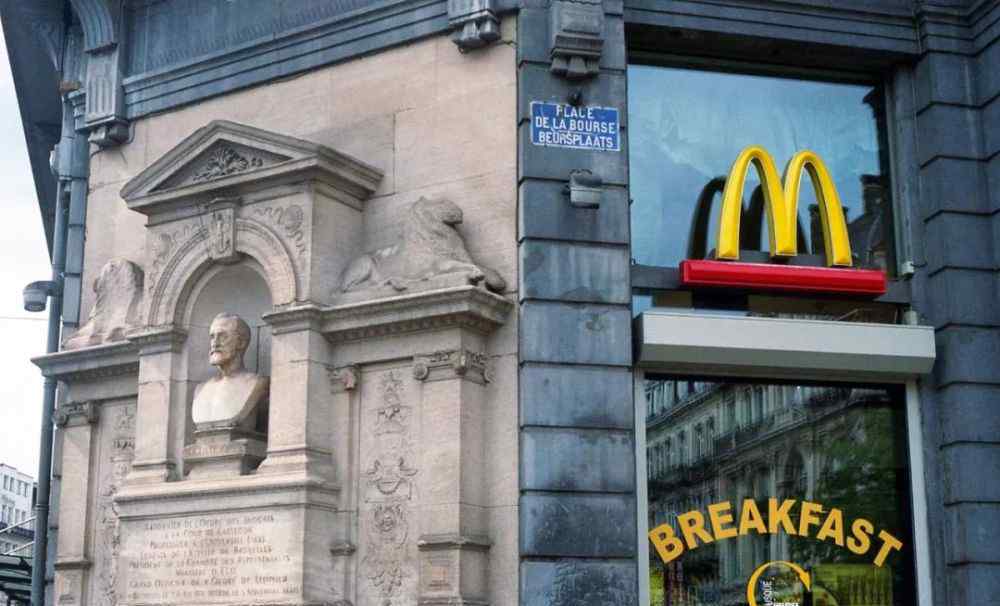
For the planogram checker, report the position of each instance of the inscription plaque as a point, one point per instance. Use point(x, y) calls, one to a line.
point(211, 558)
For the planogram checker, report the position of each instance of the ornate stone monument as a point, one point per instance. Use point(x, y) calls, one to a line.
point(229, 410)
point(355, 474)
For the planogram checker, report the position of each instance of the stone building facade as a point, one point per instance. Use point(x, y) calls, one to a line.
point(433, 217)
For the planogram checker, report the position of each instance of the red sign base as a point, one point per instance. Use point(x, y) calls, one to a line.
point(730, 274)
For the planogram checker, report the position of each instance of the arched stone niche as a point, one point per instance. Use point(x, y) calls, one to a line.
point(241, 289)
point(242, 220)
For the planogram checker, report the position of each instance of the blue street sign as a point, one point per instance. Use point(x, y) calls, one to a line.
point(583, 127)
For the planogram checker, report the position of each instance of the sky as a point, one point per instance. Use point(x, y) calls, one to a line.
point(24, 258)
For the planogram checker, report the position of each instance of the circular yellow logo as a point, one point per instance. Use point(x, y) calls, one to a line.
point(752, 583)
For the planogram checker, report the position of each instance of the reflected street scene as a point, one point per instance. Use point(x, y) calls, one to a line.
point(747, 474)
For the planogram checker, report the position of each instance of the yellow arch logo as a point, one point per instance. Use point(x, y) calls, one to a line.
point(781, 200)
point(752, 583)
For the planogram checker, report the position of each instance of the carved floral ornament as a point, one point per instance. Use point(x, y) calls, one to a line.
point(224, 161)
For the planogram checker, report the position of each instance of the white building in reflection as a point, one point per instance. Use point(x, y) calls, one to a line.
point(711, 442)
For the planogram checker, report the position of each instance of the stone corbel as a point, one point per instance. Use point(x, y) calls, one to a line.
point(104, 115)
point(476, 23)
point(77, 413)
point(442, 365)
point(344, 378)
point(577, 37)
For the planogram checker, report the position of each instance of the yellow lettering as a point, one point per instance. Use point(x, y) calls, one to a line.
point(719, 514)
point(809, 516)
point(862, 530)
point(750, 518)
point(692, 524)
point(667, 545)
point(833, 527)
point(777, 514)
point(889, 543)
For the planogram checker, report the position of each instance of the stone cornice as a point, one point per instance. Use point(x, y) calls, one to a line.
point(159, 340)
point(294, 319)
point(89, 363)
point(468, 307)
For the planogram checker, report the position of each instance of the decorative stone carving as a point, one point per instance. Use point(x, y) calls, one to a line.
point(222, 230)
point(430, 254)
point(76, 413)
point(117, 307)
point(389, 489)
point(290, 219)
point(220, 160)
point(229, 408)
point(577, 31)
point(475, 22)
point(224, 161)
point(458, 362)
point(345, 378)
point(109, 547)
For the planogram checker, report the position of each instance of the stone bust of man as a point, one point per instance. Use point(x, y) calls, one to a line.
point(232, 396)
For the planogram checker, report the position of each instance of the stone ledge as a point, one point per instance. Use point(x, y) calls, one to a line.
point(90, 363)
point(463, 306)
point(435, 542)
point(234, 494)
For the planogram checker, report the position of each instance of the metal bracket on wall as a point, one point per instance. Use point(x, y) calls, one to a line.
point(577, 33)
point(584, 189)
point(475, 23)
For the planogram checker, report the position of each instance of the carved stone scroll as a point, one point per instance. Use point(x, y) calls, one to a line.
point(464, 363)
point(117, 308)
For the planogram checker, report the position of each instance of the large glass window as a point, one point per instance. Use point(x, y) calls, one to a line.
point(814, 476)
point(686, 127)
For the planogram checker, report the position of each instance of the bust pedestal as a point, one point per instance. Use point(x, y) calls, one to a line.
point(227, 438)
point(223, 450)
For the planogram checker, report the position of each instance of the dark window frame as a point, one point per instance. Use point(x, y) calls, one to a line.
point(654, 279)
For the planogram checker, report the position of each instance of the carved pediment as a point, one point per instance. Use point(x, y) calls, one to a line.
point(222, 159)
point(225, 159)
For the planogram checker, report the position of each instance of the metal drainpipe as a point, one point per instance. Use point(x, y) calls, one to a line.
point(40, 548)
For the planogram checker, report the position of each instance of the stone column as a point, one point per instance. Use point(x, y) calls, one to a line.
point(161, 415)
point(453, 541)
point(299, 437)
point(76, 422)
point(346, 421)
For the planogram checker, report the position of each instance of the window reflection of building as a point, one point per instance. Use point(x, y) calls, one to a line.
point(776, 446)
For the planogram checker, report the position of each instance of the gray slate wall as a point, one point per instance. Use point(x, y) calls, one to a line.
point(577, 507)
point(956, 232)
